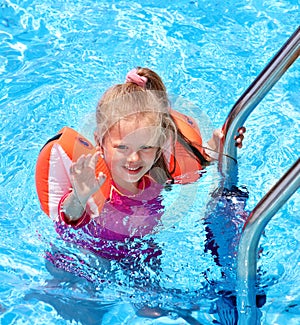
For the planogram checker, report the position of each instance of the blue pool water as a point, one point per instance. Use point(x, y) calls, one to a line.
point(56, 59)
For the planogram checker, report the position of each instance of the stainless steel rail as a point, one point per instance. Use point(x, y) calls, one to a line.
point(276, 197)
point(248, 246)
point(249, 100)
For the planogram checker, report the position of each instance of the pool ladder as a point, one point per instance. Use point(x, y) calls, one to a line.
point(279, 193)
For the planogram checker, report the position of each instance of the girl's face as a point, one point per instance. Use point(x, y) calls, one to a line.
point(130, 149)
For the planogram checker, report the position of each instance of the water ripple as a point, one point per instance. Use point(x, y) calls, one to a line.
point(57, 58)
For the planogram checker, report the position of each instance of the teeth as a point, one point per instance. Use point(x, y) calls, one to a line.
point(132, 168)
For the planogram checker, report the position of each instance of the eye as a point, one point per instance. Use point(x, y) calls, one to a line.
point(146, 148)
point(121, 147)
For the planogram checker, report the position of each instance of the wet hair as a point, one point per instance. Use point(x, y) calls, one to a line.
point(155, 83)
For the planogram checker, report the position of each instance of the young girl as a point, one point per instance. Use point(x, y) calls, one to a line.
point(144, 144)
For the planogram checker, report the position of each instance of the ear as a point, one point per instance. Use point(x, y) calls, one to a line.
point(96, 138)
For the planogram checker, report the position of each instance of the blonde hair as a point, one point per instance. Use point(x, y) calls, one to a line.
point(128, 102)
point(155, 83)
point(123, 101)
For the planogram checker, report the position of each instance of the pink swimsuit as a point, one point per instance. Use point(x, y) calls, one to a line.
point(124, 219)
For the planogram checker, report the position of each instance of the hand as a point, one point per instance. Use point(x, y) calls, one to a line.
point(83, 179)
point(215, 141)
point(239, 138)
point(213, 144)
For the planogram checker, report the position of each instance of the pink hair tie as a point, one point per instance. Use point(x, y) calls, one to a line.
point(133, 77)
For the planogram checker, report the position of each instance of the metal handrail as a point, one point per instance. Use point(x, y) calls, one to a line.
point(284, 58)
point(276, 197)
point(248, 246)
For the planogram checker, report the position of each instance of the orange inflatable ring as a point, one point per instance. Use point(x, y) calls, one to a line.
point(52, 175)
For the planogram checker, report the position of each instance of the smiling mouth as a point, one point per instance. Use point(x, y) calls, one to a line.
point(133, 169)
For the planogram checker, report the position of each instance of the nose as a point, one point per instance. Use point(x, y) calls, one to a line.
point(133, 157)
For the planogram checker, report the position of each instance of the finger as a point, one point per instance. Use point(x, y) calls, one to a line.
point(218, 133)
point(87, 160)
point(241, 137)
point(101, 178)
point(80, 162)
point(72, 169)
point(94, 159)
point(242, 130)
point(91, 160)
point(78, 166)
point(238, 142)
point(237, 137)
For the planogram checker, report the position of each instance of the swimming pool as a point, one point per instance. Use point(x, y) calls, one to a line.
point(56, 59)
